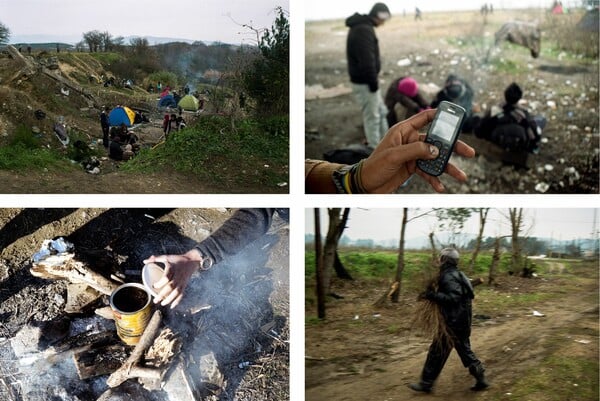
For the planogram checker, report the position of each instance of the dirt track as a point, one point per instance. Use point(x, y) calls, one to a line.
point(351, 358)
point(458, 43)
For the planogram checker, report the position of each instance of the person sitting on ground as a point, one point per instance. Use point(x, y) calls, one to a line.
point(458, 91)
point(180, 123)
point(115, 151)
point(511, 126)
point(405, 91)
point(390, 165)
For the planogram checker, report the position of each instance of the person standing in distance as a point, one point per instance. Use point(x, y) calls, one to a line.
point(364, 64)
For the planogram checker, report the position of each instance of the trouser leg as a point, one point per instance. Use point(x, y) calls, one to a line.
point(469, 360)
point(466, 354)
point(374, 113)
point(436, 359)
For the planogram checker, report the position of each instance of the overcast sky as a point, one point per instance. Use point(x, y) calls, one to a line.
point(382, 224)
point(332, 9)
point(205, 20)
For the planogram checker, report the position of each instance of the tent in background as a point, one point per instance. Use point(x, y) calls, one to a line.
point(121, 115)
point(189, 103)
point(167, 101)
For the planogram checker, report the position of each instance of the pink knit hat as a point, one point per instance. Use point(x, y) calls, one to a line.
point(408, 86)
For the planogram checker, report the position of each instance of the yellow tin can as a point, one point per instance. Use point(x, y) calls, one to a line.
point(131, 308)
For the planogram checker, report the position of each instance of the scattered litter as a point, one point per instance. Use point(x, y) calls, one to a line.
point(52, 247)
point(542, 187)
point(355, 317)
point(551, 104)
point(583, 341)
point(506, 348)
point(312, 92)
point(575, 385)
point(544, 140)
point(266, 166)
point(548, 167)
point(405, 62)
point(64, 91)
point(150, 217)
point(538, 314)
point(508, 394)
point(94, 171)
point(243, 365)
point(282, 184)
point(377, 315)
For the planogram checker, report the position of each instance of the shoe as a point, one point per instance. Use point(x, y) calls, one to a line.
point(480, 385)
point(420, 387)
point(478, 371)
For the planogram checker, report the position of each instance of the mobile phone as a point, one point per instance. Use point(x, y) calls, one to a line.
point(443, 133)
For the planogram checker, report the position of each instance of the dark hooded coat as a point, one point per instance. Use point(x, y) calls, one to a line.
point(362, 51)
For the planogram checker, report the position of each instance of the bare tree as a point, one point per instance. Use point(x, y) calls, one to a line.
point(516, 224)
point(4, 33)
point(400, 267)
point(93, 40)
point(483, 213)
point(319, 267)
point(337, 224)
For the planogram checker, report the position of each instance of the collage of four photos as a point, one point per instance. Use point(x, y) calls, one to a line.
point(158, 242)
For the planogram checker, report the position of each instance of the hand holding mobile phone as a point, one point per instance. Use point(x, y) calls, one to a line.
point(443, 133)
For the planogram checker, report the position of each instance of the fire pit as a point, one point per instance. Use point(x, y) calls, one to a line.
point(228, 338)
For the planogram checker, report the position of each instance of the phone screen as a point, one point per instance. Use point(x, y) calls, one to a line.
point(445, 126)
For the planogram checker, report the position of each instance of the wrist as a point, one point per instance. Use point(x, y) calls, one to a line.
point(348, 179)
point(205, 262)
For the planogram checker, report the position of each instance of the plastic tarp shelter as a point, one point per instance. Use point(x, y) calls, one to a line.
point(167, 101)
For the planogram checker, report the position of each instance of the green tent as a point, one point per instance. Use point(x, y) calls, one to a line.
point(189, 102)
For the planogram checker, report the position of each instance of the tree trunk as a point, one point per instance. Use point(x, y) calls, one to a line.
point(516, 221)
point(337, 224)
point(340, 270)
point(434, 253)
point(396, 292)
point(483, 212)
point(319, 267)
point(330, 247)
point(495, 260)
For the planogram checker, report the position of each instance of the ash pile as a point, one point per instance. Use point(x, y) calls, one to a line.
point(228, 339)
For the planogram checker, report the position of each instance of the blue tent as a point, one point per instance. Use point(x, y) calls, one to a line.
point(121, 115)
point(167, 101)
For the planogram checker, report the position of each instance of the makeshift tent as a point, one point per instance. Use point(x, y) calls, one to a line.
point(189, 103)
point(121, 115)
point(167, 101)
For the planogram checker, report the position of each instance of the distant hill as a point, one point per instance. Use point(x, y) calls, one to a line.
point(49, 46)
point(72, 40)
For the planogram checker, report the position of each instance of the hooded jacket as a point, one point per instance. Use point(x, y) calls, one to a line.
point(454, 296)
point(362, 51)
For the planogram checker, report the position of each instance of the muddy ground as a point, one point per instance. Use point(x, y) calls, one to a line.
point(80, 111)
point(364, 352)
point(459, 43)
point(249, 296)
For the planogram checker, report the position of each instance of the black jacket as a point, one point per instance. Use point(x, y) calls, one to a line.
point(242, 228)
point(454, 296)
point(362, 51)
point(512, 129)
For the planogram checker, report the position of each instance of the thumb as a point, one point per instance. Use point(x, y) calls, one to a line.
point(414, 151)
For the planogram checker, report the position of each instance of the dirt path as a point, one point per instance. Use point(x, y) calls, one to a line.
point(379, 365)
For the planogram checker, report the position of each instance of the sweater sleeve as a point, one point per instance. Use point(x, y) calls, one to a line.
point(318, 176)
point(242, 228)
